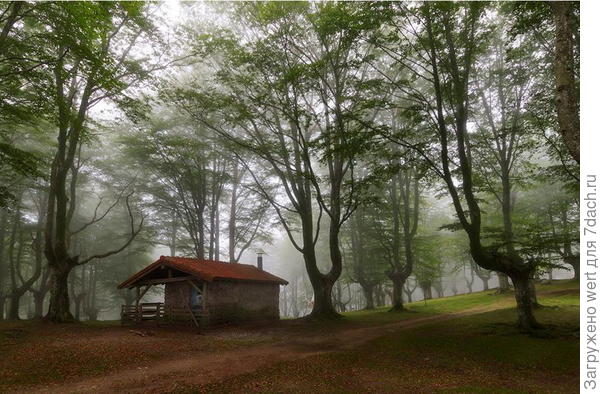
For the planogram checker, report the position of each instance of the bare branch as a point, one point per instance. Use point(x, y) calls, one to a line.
point(133, 234)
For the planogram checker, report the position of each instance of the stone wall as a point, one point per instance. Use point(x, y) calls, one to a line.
point(229, 301)
point(177, 294)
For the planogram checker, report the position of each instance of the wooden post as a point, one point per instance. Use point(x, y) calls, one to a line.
point(157, 314)
point(193, 317)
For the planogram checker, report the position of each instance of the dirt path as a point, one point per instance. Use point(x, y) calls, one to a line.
point(210, 367)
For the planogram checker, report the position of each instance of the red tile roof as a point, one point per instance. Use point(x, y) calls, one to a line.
point(207, 270)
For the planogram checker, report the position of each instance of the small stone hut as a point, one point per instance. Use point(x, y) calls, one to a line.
point(204, 291)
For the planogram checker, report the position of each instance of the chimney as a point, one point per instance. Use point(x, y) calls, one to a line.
point(259, 261)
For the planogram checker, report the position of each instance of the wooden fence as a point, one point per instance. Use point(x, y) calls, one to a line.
point(157, 312)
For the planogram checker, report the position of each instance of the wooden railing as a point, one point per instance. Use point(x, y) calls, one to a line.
point(157, 311)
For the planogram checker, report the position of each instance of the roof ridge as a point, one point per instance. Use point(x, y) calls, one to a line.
point(205, 260)
point(213, 269)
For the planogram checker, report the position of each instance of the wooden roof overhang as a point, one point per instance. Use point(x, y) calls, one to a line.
point(157, 275)
point(178, 269)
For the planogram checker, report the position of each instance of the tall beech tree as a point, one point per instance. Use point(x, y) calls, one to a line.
point(89, 44)
point(502, 143)
point(401, 210)
point(22, 233)
point(566, 71)
point(302, 117)
point(554, 26)
point(450, 37)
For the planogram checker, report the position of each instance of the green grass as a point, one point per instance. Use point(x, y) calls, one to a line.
point(382, 315)
point(459, 302)
point(482, 353)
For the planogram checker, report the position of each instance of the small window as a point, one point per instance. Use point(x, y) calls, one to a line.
point(195, 298)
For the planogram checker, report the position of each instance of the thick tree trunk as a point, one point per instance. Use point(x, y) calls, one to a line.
point(573, 261)
point(368, 293)
point(567, 100)
point(39, 294)
point(379, 295)
point(486, 285)
point(525, 304)
point(398, 285)
point(323, 307)
point(322, 286)
point(59, 308)
point(533, 294)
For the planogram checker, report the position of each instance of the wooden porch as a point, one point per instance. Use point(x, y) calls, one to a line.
point(159, 313)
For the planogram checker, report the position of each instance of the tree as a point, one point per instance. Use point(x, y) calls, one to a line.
point(503, 144)
point(566, 24)
point(22, 102)
point(312, 102)
point(404, 195)
point(483, 274)
point(554, 27)
point(20, 285)
point(548, 224)
point(365, 257)
point(250, 216)
point(450, 37)
point(175, 160)
point(89, 44)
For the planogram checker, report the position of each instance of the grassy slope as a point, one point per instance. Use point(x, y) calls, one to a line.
point(483, 350)
point(480, 353)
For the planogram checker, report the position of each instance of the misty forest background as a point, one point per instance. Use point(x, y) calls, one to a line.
point(378, 153)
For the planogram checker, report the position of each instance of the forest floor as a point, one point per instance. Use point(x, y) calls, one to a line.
point(465, 343)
